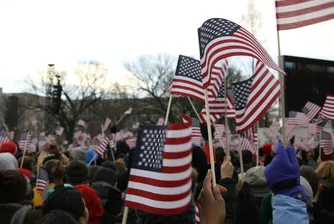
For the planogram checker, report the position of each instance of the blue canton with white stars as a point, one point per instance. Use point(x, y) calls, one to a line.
point(189, 67)
point(149, 152)
point(241, 93)
point(214, 28)
point(221, 93)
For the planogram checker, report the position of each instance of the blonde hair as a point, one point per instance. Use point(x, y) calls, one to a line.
point(326, 171)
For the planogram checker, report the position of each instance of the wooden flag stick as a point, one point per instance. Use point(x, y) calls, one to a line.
point(120, 119)
point(194, 109)
point(168, 108)
point(320, 151)
point(208, 123)
point(125, 215)
point(257, 146)
point(241, 161)
point(282, 97)
point(24, 150)
point(226, 120)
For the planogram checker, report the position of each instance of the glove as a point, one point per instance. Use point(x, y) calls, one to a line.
point(283, 175)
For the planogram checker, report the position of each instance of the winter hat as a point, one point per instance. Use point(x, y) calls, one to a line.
point(8, 161)
point(13, 186)
point(93, 203)
point(109, 165)
point(308, 190)
point(105, 175)
point(78, 154)
point(91, 172)
point(76, 172)
point(122, 147)
point(257, 181)
point(67, 199)
point(267, 149)
point(9, 147)
point(26, 173)
point(90, 155)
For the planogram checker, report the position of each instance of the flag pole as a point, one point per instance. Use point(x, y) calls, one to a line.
point(192, 105)
point(24, 150)
point(257, 145)
point(281, 81)
point(120, 119)
point(168, 108)
point(208, 123)
point(241, 160)
point(320, 151)
point(226, 120)
point(125, 215)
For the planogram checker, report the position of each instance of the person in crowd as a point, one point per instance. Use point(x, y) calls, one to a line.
point(105, 184)
point(199, 162)
point(28, 163)
point(77, 176)
point(310, 175)
point(90, 157)
point(122, 152)
point(13, 186)
point(79, 154)
point(58, 216)
point(69, 200)
point(266, 152)
point(110, 165)
point(91, 172)
point(120, 168)
point(8, 161)
point(51, 150)
point(283, 178)
point(9, 147)
point(311, 159)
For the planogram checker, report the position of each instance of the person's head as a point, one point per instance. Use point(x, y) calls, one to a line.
point(56, 171)
point(13, 186)
point(28, 162)
point(122, 148)
point(120, 168)
point(76, 172)
point(310, 175)
point(9, 147)
point(58, 216)
point(220, 155)
point(109, 165)
point(267, 150)
point(247, 157)
point(325, 172)
point(268, 160)
point(199, 162)
point(92, 201)
point(91, 172)
point(8, 161)
point(257, 181)
point(69, 200)
point(78, 154)
point(105, 175)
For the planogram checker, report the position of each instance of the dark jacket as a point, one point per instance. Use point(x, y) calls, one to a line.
point(229, 197)
point(111, 198)
point(7, 212)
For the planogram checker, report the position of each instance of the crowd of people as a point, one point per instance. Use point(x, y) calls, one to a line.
point(281, 188)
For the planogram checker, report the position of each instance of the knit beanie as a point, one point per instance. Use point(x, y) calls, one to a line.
point(109, 165)
point(8, 161)
point(8, 147)
point(67, 199)
point(91, 172)
point(257, 181)
point(76, 172)
point(78, 154)
point(267, 149)
point(93, 203)
point(105, 175)
point(90, 155)
point(13, 186)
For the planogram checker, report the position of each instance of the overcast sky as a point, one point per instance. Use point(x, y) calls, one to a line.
point(35, 33)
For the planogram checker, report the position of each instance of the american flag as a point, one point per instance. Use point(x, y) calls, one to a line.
point(293, 14)
point(3, 136)
point(160, 121)
point(297, 118)
point(326, 142)
point(254, 96)
point(197, 219)
point(131, 142)
point(217, 107)
point(311, 110)
point(220, 39)
point(251, 136)
point(327, 110)
point(100, 150)
point(219, 130)
point(196, 135)
point(217, 79)
point(254, 129)
point(247, 144)
point(112, 143)
point(42, 179)
point(160, 177)
point(24, 140)
point(321, 123)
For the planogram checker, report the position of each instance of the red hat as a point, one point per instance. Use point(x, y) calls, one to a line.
point(9, 147)
point(92, 201)
point(267, 149)
point(26, 173)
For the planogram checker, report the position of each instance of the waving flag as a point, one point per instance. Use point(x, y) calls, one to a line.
point(24, 140)
point(311, 110)
point(3, 136)
point(327, 110)
point(293, 14)
point(160, 177)
point(326, 142)
point(217, 107)
point(297, 118)
point(254, 96)
point(321, 123)
point(217, 79)
point(247, 144)
point(42, 179)
point(220, 39)
point(219, 130)
point(196, 136)
point(100, 150)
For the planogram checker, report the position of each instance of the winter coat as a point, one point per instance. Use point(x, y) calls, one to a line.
point(229, 197)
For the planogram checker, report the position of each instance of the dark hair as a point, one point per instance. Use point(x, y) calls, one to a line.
point(220, 155)
point(247, 157)
point(55, 170)
point(67, 199)
point(310, 175)
point(13, 186)
point(199, 162)
point(58, 216)
point(260, 151)
point(268, 160)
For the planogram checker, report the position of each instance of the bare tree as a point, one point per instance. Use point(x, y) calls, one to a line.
point(85, 90)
